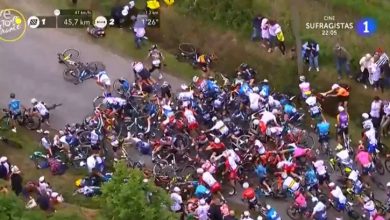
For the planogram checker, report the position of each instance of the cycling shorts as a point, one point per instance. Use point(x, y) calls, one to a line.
point(372, 148)
point(15, 115)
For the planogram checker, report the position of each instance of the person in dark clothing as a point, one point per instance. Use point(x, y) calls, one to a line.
point(215, 210)
point(43, 201)
point(5, 168)
point(74, 2)
point(231, 216)
point(16, 180)
point(256, 34)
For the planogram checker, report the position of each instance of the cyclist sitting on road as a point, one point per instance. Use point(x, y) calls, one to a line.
point(369, 207)
point(341, 93)
point(103, 81)
point(337, 197)
point(319, 210)
point(40, 109)
point(300, 201)
point(261, 172)
point(15, 110)
point(289, 183)
point(271, 213)
point(304, 86)
point(207, 179)
point(364, 159)
point(322, 129)
point(249, 195)
point(342, 123)
point(157, 57)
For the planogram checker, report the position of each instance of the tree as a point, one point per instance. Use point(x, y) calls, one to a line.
point(125, 197)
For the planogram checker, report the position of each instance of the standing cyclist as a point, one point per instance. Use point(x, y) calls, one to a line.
point(157, 58)
point(15, 110)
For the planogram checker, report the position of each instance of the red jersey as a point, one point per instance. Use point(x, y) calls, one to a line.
point(248, 194)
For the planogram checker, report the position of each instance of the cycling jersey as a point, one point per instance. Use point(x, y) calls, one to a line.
point(249, 194)
point(319, 211)
point(300, 200)
point(186, 96)
point(337, 194)
point(323, 128)
point(103, 78)
point(151, 109)
point(367, 124)
point(138, 67)
point(343, 119)
point(272, 215)
point(167, 111)
point(221, 127)
point(14, 106)
point(266, 89)
point(311, 177)
point(212, 86)
point(115, 102)
point(342, 92)
point(254, 99)
point(41, 108)
point(210, 182)
point(267, 117)
point(320, 167)
point(189, 114)
point(315, 111)
point(369, 207)
point(290, 184)
point(261, 171)
point(289, 109)
point(201, 191)
point(143, 147)
point(305, 89)
point(364, 159)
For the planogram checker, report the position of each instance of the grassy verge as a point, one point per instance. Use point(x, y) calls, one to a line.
point(63, 184)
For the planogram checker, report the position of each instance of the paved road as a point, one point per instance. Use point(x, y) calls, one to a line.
point(29, 68)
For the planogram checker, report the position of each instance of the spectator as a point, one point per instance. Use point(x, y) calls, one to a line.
point(385, 122)
point(139, 32)
point(310, 51)
point(343, 58)
point(46, 143)
point(256, 34)
point(276, 36)
point(374, 75)
point(265, 34)
point(202, 210)
point(16, 180)
point(5, 168)
point(375, 112)
point(215, 209)
point(365, 63)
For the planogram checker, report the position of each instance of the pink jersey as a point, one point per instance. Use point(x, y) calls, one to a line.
point(301, 201)
point(298, 152)
point(363, 158)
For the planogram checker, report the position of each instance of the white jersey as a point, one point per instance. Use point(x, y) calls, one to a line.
point(304, 87)
point(371, 136)
point(320, 207)
point(254, 99)
point(186, 96)
point(267, 117)
point(343, 157)
point(291, 184)
point(115, 101)
point(338, 194)
point(94, 138)
point(320, 167)
point(189, 116)
point(91, 163)
point(208, 179)
point(138, 67)
point(41, 108)
point(177, 201)
point(221, 127)
point(376, 109)
point(103, 78)
point(232, 162)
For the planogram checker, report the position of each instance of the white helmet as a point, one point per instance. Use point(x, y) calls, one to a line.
point(126, 7)
point(268, 207)
point(256, 122)
point(314, 199)
point(388, 184)
point(3, 159)
point(41, 179)
point(46, 132)
point(302, 78)
point(245, 185)
point(265, 80)
point(34, 100)
point(202, 202)
point(214, 119)
point(199, 171)
point(365, 115)
point(131, 4)
point(335, 86)
point(184, 87)
point(332, 184)
point(284, 175)
point(195, 79)
point(217, 140)
point(247, 213)
point(176, 189)
point(255, 89)
point(145, 180)
point(259, 217)
point(341, 108)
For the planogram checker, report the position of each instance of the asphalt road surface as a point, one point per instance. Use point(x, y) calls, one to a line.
point(30, 69)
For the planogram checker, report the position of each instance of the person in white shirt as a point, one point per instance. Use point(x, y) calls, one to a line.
point(177, 201)
point(375, 73)
point(365, 63)
point(202, 210)
point(289, 183)
point(219, 126)
point(209, 181)
point(265, 34)
point(267, 117)
point(43, 186)
point(385, 122)
point(46, 143)
point(338, 197)
point(370, 135)
point(139, 33)
point(375, 112)
point(367, 122)
point(323, 175)
point(186, 96)
point(369, 207)
point(276, 36)
point(319, 210)
point(41, 109)
point(304, 86)
point(254, 100)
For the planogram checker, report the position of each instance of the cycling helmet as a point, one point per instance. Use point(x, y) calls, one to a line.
point(41, 179)
point(131, 4)
point(341, 108)
point(247, 213)
point(256, 89)
point(195, 79)
point(388, 184)
point(202, 202)
point(265, 81)
point(335, 86)
point(184, 87)
point(176, 189)
point(214, 119)
point(154, 47)
point(244, 65)
point(46, 132)
point(366, 199)
point(245, 185)
point(259, 217)
point(199, 171)
point(125, 12)
point(165, 83)
point(12, 95)
point(78, 182)
point(145, 180)
point(217, 140)
point(314, 199)
point(302, 78)
point(284, 175)
point(256, 122)
point(3, 159)
point(34, 100)
point(365, 116)
point(332, 185)
point(268, 207)
point(339, 147)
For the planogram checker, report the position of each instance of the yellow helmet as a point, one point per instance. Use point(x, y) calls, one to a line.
point(169, 2)
point(78, 182)
point(153, 4)
point(339, 147)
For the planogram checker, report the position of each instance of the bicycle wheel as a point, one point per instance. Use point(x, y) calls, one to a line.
point(187, 49)
point(158, 168)
point(188, 173)
point(71, 54)
point(84, 138)
point(379, 166)
point(307, 140)
point(293, 213)
point(71, 74)
point(117, 86)
point(96, 67)
point(33, 122)
point(98, 101)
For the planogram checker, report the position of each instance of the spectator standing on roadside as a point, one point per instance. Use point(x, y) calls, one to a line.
point(276, 36)
point(343, 58)
point(375, 112)
point(139, 29)
point(365, 63)
point(375, 75)
point(265, 34)
point(385, 122)
point(256, 33)
point(5, 168)
point(310, 51)
point(16, 180)
point(215, 209)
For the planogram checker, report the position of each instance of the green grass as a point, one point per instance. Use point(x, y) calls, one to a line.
point(20, 157)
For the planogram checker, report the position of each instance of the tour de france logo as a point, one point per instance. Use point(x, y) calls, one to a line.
point(12, 25)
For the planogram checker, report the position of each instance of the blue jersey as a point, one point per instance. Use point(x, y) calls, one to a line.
point(201, 191)
point(151, 109)
point(266, 89)
point(289, 109)
point(125, 86)
point(244, 89)
point(272, 215)
point(14, 106)
point(212, 86)
point(311, 177)
point(261, 171)
point(323, 128)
